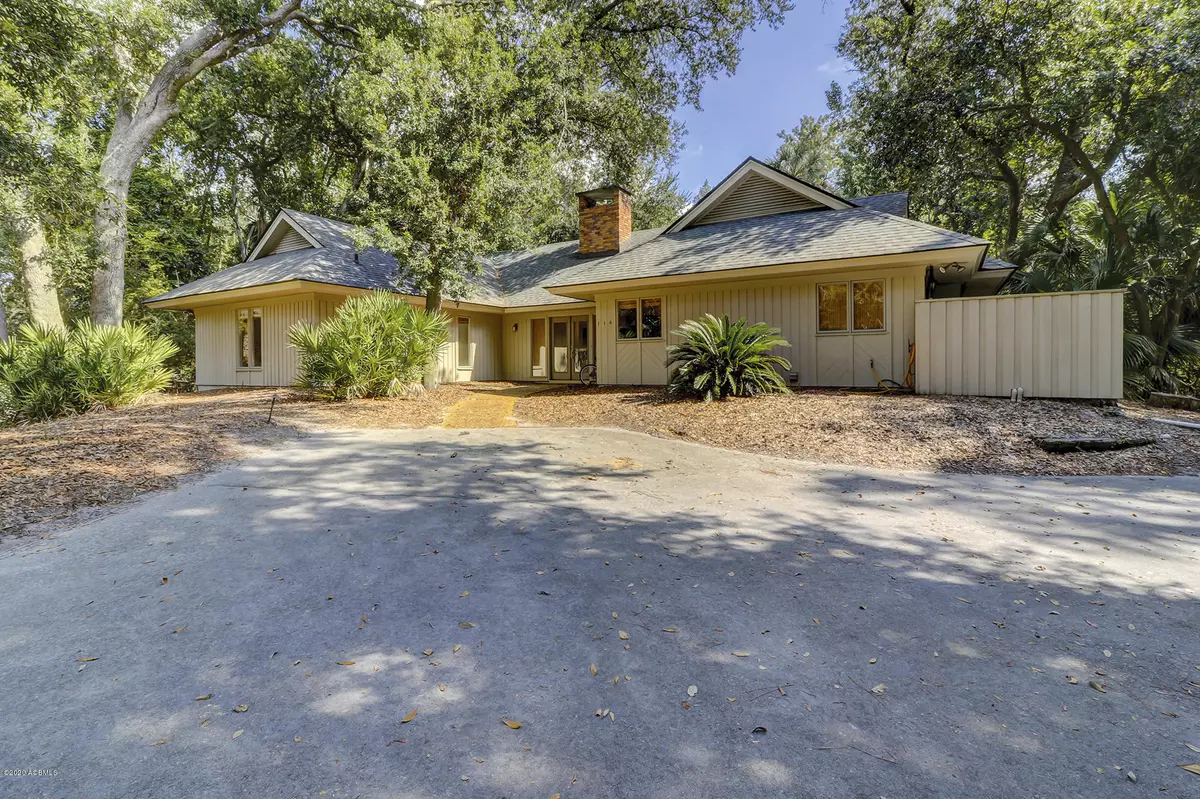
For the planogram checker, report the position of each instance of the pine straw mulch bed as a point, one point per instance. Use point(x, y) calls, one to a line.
point(51, 470)
point(894, 431)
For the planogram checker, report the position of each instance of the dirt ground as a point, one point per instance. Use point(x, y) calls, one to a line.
point(50, 470)
point(58, 469)
point(895, 431)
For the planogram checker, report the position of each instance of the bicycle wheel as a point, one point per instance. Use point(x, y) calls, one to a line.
point(587, 375)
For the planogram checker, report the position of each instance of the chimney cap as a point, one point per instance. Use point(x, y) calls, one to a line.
point(601, 192)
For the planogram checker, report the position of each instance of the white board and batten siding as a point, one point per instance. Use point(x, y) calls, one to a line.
point(818, 359)
point(217, 342)
point(1065, 345)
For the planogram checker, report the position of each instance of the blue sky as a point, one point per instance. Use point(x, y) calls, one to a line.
point(783, 75)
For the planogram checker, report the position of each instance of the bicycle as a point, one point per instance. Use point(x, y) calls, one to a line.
point(587, 375)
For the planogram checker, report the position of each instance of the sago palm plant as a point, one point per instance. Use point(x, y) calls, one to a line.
point(719, 358)
point(377, 345)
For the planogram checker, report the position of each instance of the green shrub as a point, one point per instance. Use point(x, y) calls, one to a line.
point(35, 376)
point(720, 359)
point(377, 345)
point(46, 373)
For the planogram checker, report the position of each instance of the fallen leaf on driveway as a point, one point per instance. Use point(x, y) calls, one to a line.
point(1097, 686)
point(86, 660)
point(457, 647)
point(466, 625)
point(1192, 767)
point(238, 734)
point(347, 662)
point(203, 698)
point(409, 717)
point(240, 708)
point(960, 599)
point(428, 653)
point(879, 689)
point(592, 668)
point(624, 636)
point(1193, 748)
point(692, 690)
point(465, 593)
point(159, 742)
point(759, 731)
point(741, 654)
point(670, 630)
point(512, 725)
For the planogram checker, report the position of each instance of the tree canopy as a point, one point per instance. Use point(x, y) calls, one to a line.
point(143, 144)
point(1065, 132)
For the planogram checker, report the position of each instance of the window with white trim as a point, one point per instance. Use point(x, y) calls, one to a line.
point(853, 307)
point(249, 332)
point(640, 319)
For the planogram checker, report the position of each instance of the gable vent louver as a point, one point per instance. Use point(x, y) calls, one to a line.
point(755, 195)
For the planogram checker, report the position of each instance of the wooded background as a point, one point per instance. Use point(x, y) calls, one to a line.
point(146, 144)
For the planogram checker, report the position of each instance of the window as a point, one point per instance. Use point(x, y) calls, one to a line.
point(857, 306)
point(639, 318)
point(627, 322)
point(652, 318)
point(249, 327)
point(868, 305)
point(464, 342)
point(831, 307)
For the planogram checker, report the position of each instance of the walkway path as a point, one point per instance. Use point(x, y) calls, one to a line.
point(487, 408)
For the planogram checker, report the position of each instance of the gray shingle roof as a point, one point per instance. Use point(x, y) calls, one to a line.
point(796, 237)
point(895, 203)
point(990, 264)
point(520, 278)
point(523, 273)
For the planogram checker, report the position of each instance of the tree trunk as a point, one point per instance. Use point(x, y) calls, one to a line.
point(3, 319)
point(134, 129)
point(40, 292)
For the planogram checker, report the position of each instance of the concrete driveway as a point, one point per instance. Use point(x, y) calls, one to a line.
point(886, 635)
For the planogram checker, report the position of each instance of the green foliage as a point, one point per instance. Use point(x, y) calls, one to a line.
point(719, 359)
point(1067, 133)
point(376, 345)
point(811, 151)
point(36, 380)
point(117, 366)
point(49, 373)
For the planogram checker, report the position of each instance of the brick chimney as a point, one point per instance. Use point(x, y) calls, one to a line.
point(605, 220)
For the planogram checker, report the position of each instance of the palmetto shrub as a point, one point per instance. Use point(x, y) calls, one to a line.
point(46, 373)
point(718, 359)
point(377, 345)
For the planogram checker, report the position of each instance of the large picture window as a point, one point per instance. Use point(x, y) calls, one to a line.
point(627, 319)
point(857, 307)
point(249, 328)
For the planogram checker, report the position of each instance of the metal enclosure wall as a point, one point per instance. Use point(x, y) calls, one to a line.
point(1066, 345)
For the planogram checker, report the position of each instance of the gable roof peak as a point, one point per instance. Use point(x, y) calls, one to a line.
point(756, 188)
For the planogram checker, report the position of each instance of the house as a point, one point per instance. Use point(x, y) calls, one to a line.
point(855, 285)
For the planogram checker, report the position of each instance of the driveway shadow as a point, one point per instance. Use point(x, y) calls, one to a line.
point(912, 635)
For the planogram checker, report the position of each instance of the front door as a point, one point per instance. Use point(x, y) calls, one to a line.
point(560, 349)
